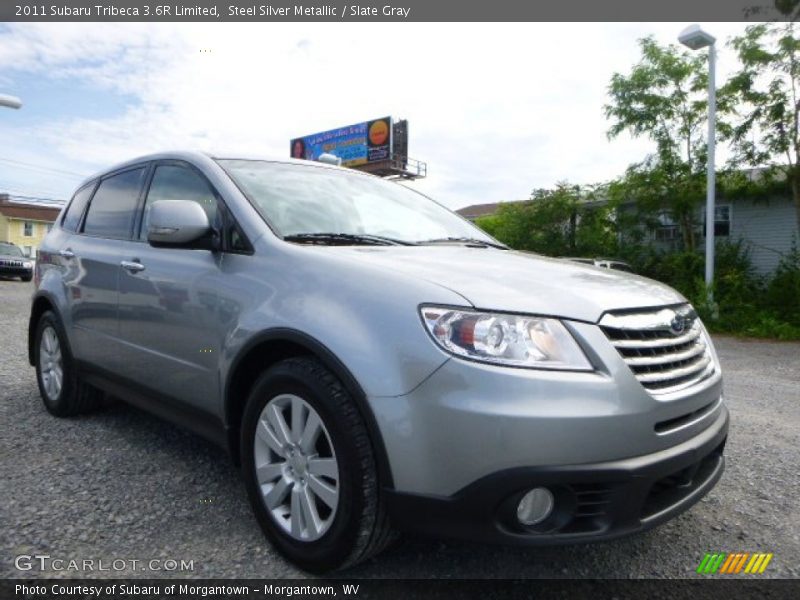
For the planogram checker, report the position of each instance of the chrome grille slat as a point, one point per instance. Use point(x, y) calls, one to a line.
point(664, 348)
point(658, 342)
point(660, 359)
point(674, 373)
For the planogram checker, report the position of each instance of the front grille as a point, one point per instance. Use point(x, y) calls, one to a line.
point(5, 262)
point(666, 348)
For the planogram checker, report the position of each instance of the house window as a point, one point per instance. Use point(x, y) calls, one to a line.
point(27, 229)
point(667, 228)
point(722, 221)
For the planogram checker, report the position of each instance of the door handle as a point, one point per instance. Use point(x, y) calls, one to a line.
point(132, 266)
point(67, 253)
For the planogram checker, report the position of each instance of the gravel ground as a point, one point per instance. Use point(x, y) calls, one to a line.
point(120, 484)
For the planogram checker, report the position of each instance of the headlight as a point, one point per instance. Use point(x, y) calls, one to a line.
point(27, 265)
point(519, 341)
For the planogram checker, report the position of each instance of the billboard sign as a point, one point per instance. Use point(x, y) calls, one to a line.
point(359, 144)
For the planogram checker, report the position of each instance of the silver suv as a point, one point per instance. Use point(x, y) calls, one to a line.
point(373, 361)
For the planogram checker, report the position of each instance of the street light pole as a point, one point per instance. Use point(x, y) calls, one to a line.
point(695, 38)
point(710, 170)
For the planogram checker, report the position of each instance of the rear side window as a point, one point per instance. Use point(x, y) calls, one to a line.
point(171, 182)
point(113, 207)
point(72, 218)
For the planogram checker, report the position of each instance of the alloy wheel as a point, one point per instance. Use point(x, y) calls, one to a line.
point(51, 367)
point(296, 467)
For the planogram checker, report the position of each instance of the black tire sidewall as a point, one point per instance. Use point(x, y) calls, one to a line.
point(336, 545)
point(62, 405)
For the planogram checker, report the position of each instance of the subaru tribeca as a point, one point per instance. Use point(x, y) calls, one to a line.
point(372, 361)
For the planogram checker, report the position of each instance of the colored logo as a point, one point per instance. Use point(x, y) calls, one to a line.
point(378, 133)
point(734, 563)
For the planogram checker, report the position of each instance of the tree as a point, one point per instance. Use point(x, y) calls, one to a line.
point(664, 98)
point(556, 222)
point(766, 91)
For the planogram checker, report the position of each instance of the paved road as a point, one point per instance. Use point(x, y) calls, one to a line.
point(120, 484)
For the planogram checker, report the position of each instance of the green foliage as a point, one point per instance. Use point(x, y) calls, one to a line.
point(665, 99)
point(764, 324)
point(653, 188)
point(764, 97)
point(744, 303)
point(783, 291)
point(559, 222)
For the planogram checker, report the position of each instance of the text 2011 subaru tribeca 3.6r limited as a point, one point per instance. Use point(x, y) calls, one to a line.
point(373, 361)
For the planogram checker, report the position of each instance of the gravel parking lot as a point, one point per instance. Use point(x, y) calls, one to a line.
point(120, 484)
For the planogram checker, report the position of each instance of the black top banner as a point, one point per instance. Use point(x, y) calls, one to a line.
point(398, 10)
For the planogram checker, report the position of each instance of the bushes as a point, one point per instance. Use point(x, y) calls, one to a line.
point(783, 291)
point(744, 302)
point(558, 222)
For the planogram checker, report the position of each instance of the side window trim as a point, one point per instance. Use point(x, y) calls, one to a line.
point(99, 181)
point(79, 225)
point(227, 215)
point(140, 205)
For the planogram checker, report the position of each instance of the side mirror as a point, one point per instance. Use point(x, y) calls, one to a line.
point(177, 223)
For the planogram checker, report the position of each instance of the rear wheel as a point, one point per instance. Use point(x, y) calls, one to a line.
point(309, 468)
point(62, 392)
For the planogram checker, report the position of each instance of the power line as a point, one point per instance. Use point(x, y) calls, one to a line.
point(36, 190)
point(32, 166)
point(26, 191)
point(37, 199)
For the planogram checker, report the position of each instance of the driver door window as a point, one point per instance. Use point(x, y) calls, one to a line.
point(172, 182)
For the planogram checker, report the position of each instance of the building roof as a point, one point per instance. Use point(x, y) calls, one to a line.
point(27, 212)
point(478, 210)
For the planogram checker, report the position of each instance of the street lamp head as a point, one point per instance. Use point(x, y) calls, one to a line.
point(695, 38)
point(10, 101)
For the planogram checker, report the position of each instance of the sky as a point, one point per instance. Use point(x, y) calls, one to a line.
point(495, 110)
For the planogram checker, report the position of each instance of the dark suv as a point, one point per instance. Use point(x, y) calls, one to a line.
point(13, 263)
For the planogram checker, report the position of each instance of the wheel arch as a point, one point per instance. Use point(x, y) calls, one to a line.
point(268, 348)
point(42, 302)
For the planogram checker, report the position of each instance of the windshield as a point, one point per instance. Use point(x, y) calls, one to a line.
point(298, 199)
point(10, 250)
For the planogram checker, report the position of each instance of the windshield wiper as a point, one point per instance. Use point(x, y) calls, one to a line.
point(464, 240)
point(345, 239)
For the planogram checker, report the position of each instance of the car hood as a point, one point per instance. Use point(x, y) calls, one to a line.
point(512, 281)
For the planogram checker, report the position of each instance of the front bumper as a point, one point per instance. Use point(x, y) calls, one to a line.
point(15, 272)
point(592, 501)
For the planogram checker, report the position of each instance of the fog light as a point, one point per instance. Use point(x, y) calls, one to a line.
point(535, 506)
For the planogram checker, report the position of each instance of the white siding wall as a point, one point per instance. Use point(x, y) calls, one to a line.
point(768, 226)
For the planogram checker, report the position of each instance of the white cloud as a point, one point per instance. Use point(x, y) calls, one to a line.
point(495, 109)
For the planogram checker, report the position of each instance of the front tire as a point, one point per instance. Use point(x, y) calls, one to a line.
point(309, 468)
point(62, 392)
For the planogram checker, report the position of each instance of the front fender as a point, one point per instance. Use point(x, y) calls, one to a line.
point(365, 316)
